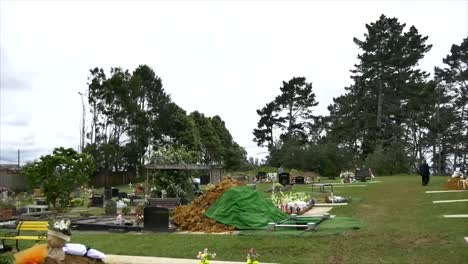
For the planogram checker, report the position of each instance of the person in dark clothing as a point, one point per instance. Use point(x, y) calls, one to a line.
point(424, 171)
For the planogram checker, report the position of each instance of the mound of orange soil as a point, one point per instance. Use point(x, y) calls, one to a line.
point(192, 217)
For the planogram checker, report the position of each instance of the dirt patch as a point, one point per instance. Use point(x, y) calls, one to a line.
point(192, 217)
point(419, 241)
point(335, 259)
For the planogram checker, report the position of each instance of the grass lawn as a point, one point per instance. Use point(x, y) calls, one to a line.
point(401, 225)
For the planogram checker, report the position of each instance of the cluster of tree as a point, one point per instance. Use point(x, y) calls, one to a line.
point(390, 118)
point(133, 117)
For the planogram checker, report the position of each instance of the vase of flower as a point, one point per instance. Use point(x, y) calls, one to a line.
point(57, 235)
point(57, 239)
point(205, 256)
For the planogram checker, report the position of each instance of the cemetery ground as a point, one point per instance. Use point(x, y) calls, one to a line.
point(401, 225)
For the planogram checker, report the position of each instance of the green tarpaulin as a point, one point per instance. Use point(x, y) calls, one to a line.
point(244, 208)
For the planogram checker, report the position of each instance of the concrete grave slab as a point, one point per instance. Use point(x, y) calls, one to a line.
point(447, 191)
point(317, 211)
point(456, 216)
point(330, 204)
point(451, 201)
point(119, 259)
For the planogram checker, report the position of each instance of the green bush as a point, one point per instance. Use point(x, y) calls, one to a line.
point(390, 161)
point(125, 210)
point(6, 259)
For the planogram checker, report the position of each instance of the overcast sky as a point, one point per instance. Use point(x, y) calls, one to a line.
point(218, 57)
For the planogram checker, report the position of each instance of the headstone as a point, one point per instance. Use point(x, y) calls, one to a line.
point(97, 200)
point(156, 219)
point(123, 195)
point(261, 175)
point(76, 193)
point(41, 202)
point(300, 180)
point(115, 192)
point(361, 174)
point(107, 194)
point(110, 207)
point(204, 179)
point(283, 178)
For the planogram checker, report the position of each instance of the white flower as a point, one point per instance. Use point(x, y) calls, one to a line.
point(62, 225)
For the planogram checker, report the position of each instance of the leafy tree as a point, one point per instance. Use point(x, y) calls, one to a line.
point(177, 183)
point(133, 117)
point(211, 144)
point(59, 173)
point(291, 110)
point(296, 100)
point(126, 116)
point(455, 77)
point(269, 118)
point(386, 75)
point(383, 108)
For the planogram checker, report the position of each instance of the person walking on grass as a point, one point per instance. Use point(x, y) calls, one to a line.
point(424, 172)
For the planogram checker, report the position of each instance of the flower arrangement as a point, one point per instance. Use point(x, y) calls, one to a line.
point(296, 203)
point(205, 256)
point(62, 226)
point(252, 257)
point(347, 176)
point(154, 192)
point(457, 174)
point(139, 219)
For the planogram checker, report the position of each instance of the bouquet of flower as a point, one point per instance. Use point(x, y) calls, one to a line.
point(58, 234)
point(252, 257)
point(347, 176)
point(205, 256)
point(292, 202)
point(62, 226)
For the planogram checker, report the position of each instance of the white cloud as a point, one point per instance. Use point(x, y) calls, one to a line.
point(221, 58)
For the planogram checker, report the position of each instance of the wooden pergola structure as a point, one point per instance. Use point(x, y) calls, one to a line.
point(215, 171)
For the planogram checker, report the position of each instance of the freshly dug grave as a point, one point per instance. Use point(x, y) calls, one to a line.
point(69, 259)
point(192, 217)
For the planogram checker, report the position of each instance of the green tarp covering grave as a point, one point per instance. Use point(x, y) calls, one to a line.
point(244, 208)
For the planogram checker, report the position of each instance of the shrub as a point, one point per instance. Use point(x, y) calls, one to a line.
point(6, 259)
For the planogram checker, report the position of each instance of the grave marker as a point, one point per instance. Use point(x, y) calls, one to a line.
point(110, 207)
point(115, 192)
point(97, 200)
point(107, 193)
point(156, 219)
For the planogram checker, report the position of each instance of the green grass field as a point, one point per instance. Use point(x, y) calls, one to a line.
point(401, 225)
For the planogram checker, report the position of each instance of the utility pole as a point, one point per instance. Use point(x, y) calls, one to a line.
point(82, 132)
point(19, 166)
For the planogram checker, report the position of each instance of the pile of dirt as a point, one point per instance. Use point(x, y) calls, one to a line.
point(70, 259)
point(192, 217)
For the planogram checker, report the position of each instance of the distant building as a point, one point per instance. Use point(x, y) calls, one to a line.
point(11, 177)
point(9, 168)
